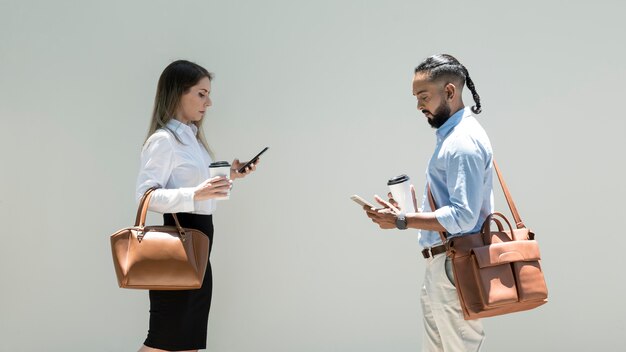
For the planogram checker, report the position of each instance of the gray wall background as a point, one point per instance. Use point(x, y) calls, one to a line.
point(327, 85)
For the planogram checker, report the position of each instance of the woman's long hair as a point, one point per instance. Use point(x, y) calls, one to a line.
point(177, 78)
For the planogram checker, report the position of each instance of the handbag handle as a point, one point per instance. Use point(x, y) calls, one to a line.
point(140, 219)
point(509, 200)
point(142, 210)
point(486, 230)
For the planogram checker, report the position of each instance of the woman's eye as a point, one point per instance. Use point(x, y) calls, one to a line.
point(201, 95)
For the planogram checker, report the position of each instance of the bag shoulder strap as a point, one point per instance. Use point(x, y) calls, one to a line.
point(509, 200)
point(433, 207)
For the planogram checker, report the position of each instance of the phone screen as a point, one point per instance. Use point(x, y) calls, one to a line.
point(361, 201)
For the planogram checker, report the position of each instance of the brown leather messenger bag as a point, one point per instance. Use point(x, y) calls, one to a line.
point(496, 272)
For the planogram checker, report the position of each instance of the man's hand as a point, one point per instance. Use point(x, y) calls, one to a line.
point(385, 217)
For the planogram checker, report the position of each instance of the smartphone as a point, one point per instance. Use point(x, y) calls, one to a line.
point(361, 201)
point(253, 160)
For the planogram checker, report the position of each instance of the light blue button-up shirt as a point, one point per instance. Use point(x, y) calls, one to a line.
point(460, 174)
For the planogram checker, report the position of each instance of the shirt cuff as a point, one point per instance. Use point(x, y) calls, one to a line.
point(446, 219)
point(188, 202)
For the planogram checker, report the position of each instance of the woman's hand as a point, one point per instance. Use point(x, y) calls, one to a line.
point(236, 165)
point(213, 188)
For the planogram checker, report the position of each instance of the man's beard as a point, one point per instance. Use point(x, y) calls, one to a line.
point(440, 116)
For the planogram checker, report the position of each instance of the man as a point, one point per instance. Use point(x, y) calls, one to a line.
point(460, 178)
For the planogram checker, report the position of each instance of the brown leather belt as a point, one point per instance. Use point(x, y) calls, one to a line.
point(431, 252)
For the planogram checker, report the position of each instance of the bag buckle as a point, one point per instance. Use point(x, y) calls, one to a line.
point(141, 234)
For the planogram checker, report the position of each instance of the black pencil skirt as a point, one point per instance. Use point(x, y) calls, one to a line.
point(178, 319)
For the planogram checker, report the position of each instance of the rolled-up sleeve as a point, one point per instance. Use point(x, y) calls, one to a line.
point(157, 163)
point(465, 178)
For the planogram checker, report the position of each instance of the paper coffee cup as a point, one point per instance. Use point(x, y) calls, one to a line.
point(400, 188)
point(220, 168)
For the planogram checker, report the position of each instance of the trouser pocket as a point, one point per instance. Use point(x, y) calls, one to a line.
point(449, 272)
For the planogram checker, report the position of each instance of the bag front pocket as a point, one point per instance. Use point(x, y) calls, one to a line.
point(530, 281)
point(506, 272)
point(496, 284)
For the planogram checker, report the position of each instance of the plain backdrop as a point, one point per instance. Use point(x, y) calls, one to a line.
point(327, 86)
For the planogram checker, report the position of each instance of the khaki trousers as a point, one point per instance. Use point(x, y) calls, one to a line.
point(444, 326)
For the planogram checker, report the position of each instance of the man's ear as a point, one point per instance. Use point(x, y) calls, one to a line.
point(450, 91)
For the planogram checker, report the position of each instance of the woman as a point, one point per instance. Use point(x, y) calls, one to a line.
point(175, 158)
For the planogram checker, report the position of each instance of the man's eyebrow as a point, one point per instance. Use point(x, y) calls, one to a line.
point(420, 92)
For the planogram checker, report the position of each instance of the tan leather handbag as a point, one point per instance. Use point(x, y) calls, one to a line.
point(496, 272)
point(159, 257)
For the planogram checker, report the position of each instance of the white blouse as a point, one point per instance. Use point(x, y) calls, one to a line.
point(176, 168)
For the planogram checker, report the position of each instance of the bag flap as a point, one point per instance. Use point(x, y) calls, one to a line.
point(506, 252)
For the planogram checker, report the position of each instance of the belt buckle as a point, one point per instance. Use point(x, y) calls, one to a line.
point(428, 252)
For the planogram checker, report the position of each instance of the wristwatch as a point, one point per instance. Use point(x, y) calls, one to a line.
point(401, 222)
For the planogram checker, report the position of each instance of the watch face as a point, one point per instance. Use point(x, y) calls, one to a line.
point(401, 222)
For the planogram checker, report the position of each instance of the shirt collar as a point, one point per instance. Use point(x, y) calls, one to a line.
point(454, 120)
point(178, 127)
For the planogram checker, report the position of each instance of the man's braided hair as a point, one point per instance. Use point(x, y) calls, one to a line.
point(442, 65)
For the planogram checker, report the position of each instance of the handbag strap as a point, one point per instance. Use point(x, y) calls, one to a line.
point(509, 200)
point(142, 210)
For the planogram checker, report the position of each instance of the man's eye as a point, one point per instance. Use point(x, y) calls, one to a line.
point(201, 95)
